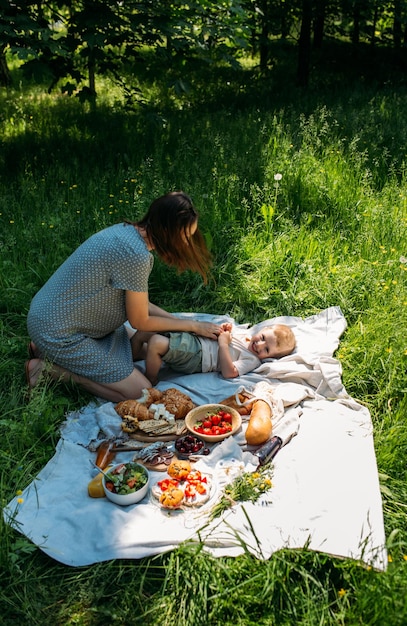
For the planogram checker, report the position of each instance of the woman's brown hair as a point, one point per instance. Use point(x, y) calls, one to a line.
point(168, 224)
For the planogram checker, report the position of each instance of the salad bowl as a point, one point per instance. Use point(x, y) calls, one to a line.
point(126, 483)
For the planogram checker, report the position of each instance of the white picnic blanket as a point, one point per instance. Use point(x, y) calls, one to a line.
point(325, 493)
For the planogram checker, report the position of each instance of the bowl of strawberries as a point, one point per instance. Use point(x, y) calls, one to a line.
point(213, 422)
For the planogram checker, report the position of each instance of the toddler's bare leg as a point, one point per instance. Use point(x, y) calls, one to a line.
point(156, 348)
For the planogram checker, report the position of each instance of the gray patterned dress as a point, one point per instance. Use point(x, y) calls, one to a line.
point(77, 318)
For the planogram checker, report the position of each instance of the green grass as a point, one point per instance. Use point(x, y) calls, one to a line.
point(332, 233)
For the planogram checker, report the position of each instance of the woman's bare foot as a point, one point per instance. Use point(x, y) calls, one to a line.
point(33, 351)
point(33, 370)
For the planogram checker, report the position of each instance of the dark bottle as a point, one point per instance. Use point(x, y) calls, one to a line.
point(269, 450)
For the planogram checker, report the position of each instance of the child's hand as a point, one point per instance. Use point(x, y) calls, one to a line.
point(227, 326)
point(224, 338)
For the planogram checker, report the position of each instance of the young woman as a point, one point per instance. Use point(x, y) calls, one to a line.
point(77, 320)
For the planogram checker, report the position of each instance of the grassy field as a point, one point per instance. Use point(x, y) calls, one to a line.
point(331, 232)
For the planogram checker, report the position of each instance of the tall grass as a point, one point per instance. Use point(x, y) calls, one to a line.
point(333, 232)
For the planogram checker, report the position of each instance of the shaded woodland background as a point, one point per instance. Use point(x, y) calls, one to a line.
point(65, 44)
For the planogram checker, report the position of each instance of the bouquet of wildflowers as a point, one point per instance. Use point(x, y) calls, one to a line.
point(248, 487)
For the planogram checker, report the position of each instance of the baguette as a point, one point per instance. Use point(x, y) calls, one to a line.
point(260, 425)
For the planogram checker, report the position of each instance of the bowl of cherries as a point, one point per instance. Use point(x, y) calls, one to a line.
point(189, 445)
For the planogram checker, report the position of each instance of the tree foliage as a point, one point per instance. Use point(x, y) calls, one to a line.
point(70, 41)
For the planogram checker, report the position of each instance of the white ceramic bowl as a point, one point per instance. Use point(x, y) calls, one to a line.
point(133, 496)
point(200, 412)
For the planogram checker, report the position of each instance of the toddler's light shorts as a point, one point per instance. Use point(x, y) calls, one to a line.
point(185, 353)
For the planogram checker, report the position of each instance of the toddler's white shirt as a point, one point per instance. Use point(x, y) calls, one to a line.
point(244, 360)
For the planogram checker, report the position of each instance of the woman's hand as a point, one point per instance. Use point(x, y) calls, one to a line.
point(143, 315)
point(207, 329)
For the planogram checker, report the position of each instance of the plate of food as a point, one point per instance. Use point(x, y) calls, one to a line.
point(183, 488)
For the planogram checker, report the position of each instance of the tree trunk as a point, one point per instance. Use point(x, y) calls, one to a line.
point(92, 73)
point(356, 24)
point(304, 44)
point(397, 34)
point(375, 16)
point(264, 35)
point(319, 24)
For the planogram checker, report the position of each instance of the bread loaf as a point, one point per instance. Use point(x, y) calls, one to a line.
point(260, 424)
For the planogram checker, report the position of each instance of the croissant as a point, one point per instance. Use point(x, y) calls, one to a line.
point(177, 402)
point(132, 408)
point(150, 396)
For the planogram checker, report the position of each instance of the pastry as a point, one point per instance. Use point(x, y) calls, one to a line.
point(132, 408)
point(179, 469)
point(172, 498)
point(177, 403)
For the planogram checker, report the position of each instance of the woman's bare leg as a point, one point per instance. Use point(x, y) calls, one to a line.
point(128, 389)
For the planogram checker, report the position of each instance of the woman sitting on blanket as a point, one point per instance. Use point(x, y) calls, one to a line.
point(233, 354)
point(77, 320)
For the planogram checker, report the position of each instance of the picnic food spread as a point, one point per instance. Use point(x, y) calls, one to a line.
point(157, 414)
